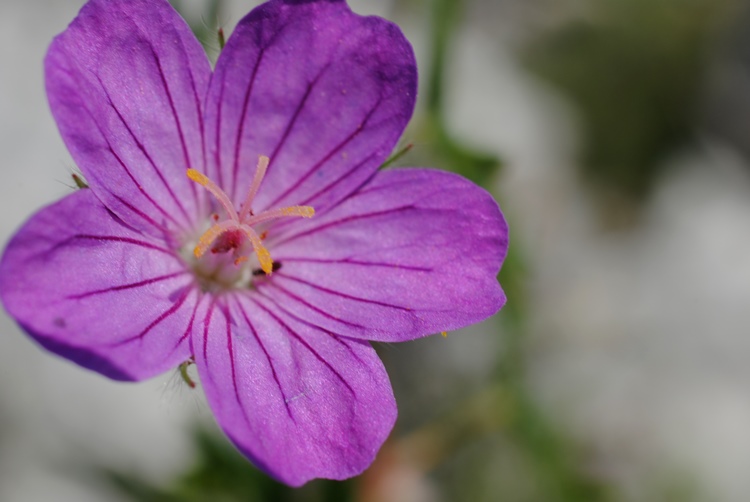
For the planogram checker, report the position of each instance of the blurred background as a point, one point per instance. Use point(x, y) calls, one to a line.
point(616, 136)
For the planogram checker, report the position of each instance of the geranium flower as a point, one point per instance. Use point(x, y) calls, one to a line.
point(237, 219)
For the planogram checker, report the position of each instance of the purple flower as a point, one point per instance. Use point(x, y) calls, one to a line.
point(237, 219)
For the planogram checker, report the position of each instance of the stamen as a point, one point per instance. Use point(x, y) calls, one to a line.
point(303, 211)
point(260, 173)
point(202, 179)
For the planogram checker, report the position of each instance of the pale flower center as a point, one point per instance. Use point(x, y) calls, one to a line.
point(234, 232)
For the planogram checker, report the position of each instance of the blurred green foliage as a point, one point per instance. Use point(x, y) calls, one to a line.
point(445, 151)
point(635, 70)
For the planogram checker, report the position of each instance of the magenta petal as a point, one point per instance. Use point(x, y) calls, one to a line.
point(126, 83)
point(415, 252)
point(297, 401)
point(95, 291)
point(323, 92)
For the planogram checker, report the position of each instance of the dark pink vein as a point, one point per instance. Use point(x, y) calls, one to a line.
point(241, 125)
point(189, 328)
point(158, 207)
point(295, 115)
point(198, 107)
point(302, 341)
point(338, 181)
point(349, 261)
point(113, 238)
point(326, 158)
point(172, 107)
point(335, 334)
point(131, 285)
point(217, 132)
point(170, 99)
point(348, 347)
point(290, 221)
point(338, 337)
point(268, 357)
point(165, 315)
point(381, 186)
point(342, 221)
point(206, 325)
point(109, 145)
point(305, 303)
point(145, 153)
point(339, 293)
point(140, 213)
point(125, 167)
point(232, 367)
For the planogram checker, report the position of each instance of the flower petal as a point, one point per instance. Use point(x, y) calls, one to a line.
point(299, 402)
point(323, 92)
point(93, 290)
point(415, 252)
point(126, 82)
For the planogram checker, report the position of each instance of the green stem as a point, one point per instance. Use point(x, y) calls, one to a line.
point(393, 158)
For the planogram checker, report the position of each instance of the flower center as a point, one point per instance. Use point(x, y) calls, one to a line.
point(233, 232)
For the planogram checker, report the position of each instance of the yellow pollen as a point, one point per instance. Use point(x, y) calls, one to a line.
point(304, 211)
point(444, 333)
point(264, 257)
point(198, 177)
